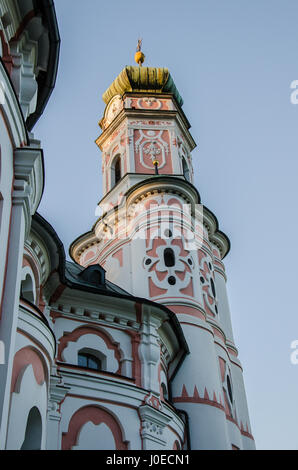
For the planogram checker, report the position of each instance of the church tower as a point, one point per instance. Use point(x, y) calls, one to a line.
point(157, 241)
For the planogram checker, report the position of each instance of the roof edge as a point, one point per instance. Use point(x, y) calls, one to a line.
point(46, 82)
point(142, 79)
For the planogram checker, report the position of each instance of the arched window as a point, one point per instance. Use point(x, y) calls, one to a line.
point(116, 171)
point(89, 360)
point(27, 289)
point(176, 446)
point(185, 169)
point(229, 386)
point(33, 434)
point(164, 391)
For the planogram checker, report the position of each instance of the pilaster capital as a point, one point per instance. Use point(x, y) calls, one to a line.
point(28, 181)
point(153, 423)
point(58, 392)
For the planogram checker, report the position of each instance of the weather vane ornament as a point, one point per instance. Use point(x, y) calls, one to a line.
point(139, 55)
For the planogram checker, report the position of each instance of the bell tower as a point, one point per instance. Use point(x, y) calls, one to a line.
point(156, 240)
point(144, 128)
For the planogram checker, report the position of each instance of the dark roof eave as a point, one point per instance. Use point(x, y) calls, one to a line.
point(47, 85)
point(94, 290)
point(17, 100)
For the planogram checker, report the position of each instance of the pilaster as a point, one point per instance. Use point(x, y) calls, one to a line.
point(57, 394)
point(153, 422)
point(26, 194)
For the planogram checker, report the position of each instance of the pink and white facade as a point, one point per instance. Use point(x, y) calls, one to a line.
point(130, 346)
point(29, 48)
point(157, 241)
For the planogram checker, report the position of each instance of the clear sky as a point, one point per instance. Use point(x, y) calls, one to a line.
point(233, 62)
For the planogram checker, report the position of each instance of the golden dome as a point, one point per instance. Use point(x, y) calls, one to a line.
point(144, 80)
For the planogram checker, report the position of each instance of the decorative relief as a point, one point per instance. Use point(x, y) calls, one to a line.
point(113, 109)
point(227, 388)
point(152, 150)
point(149, 103)
point(153, 424)
point(152, 428)
point(168, 263)
point(121, 130)
point(149, 124)
point(151, 145)
point(208, 284)
point(195, 397)
point(153, 401)
point(29, 50)
point(116, 145)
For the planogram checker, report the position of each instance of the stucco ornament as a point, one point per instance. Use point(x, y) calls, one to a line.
point(208, 285)
point(113, 109)
point(168, 263)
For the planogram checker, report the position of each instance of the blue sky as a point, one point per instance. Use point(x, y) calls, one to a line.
point(233, 62)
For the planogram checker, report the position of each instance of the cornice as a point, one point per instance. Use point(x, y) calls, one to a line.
point(28, 181)
point(216, 236)
point(143, 114)
point(142, 79)
point(143, 189)
point(11, 110)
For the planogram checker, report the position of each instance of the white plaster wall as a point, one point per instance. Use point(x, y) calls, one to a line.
point(16, 217)
point(35, 328)
point(208, 428)
point(200, 367)
point(127, 418)
point(26, 270)
point(29, 394)
point(224, 315)
point(133, 275)
point(170, 437)
point(149, 352)
point(8, 324)
point(95, 437)
point(90, 341)
point(163, 379)
point(234, 435)
point(248, 444)
point(65, 325)
point(6, 177)
point(241, 401)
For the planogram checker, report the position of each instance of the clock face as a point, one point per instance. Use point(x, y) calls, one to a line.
point(113, 109)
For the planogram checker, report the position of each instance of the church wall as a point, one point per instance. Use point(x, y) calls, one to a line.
point(134, 361)
point(12, 231)
point(158, 242)
point(6, 178)
point(224, 316)
point(34, 353)
point(242, 407)
point(50, 400)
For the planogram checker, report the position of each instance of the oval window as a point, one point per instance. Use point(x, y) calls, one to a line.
point(169, 257)
point(212, 287)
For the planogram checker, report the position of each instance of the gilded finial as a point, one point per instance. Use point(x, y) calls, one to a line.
point(139, 55)
point(156, 164)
